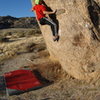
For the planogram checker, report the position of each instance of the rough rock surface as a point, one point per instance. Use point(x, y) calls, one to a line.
point(78, 50)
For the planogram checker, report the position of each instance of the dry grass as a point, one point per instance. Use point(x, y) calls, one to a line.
point(8, 50)
point(18, 33)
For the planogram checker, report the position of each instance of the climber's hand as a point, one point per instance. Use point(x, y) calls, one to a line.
point(55, 11)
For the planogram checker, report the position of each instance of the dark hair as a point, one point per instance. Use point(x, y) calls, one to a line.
point(41, 1)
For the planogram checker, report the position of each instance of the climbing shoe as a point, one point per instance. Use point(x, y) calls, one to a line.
point(56, 38)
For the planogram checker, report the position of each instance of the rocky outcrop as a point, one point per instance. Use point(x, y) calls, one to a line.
point(12, 22)
point(78, 49)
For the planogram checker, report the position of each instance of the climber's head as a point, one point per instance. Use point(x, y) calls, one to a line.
point(38, 1)
point(41, 1)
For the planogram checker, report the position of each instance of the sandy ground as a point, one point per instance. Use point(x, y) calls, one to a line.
point(64, 87)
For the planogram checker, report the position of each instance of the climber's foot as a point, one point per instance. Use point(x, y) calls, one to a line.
point(56, 38)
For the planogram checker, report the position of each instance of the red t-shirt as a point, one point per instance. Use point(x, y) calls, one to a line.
point(39, 11)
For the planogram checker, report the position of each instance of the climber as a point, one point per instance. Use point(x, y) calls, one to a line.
point(41, 13)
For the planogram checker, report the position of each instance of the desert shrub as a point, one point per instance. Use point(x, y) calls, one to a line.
point(29, 33)
point(30, 47)
point(3, 39)
point(20, 34)
point(32, 32)
point(37, 31)
point(7, 33)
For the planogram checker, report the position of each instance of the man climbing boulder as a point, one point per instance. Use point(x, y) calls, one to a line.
point(41, 12)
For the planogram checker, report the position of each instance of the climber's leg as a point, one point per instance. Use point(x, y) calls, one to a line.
point(52, 24)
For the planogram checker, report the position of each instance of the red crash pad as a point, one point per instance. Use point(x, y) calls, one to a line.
point(21, 80)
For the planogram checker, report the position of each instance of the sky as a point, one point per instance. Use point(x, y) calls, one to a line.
point(16, 8)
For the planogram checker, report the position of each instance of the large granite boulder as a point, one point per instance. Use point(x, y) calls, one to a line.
point(78, 48)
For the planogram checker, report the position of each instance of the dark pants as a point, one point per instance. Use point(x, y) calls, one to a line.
point(46, 21)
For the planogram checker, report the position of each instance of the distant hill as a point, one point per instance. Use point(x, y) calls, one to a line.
point(12, 22)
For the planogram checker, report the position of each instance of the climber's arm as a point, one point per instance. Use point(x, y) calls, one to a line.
point(49, 12)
